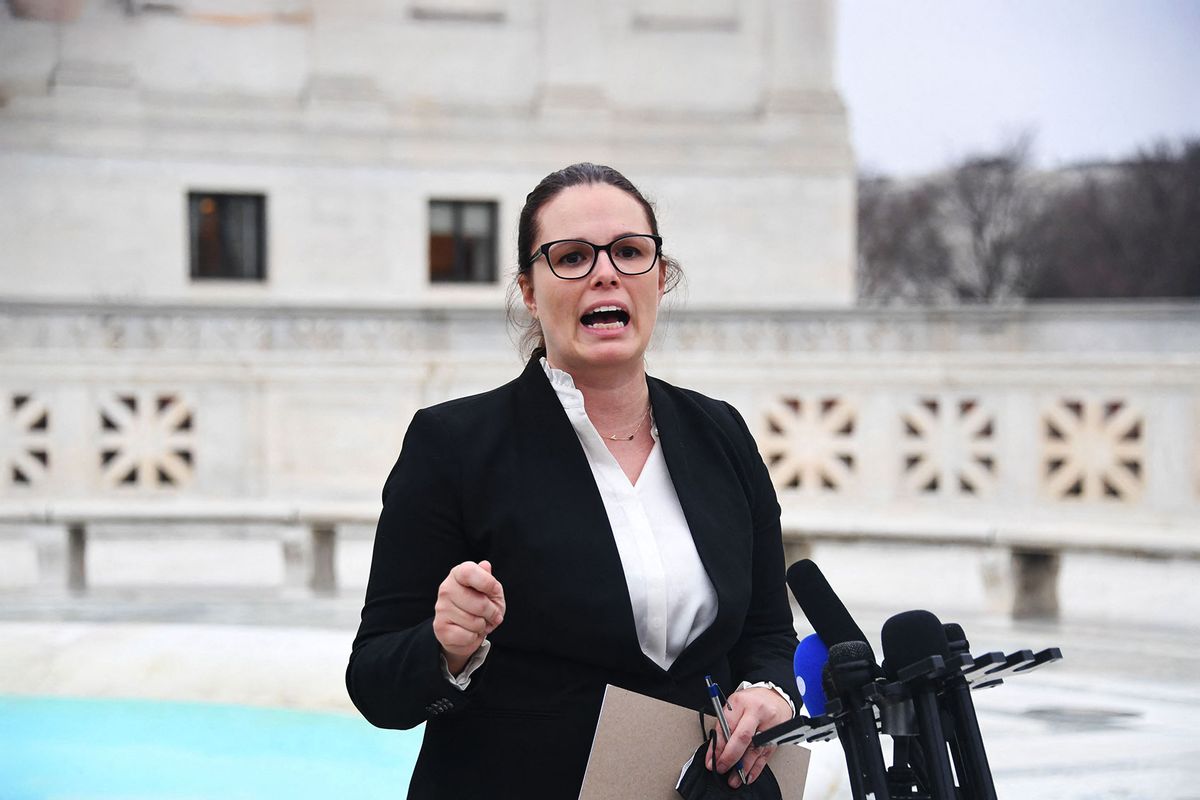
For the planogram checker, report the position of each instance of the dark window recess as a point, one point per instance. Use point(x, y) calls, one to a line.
point(462, 242)
point(429, 12)
point(227, 236)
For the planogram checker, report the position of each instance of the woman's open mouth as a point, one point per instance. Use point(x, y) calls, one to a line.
point(605, 318)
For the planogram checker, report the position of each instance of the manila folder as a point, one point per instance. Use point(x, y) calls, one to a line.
point(642, 744)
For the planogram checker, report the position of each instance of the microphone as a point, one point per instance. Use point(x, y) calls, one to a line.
point(910, 638)
point(956, 638)
point(828, 616)
point(810, 658)
point(915, 650)
point(851, 665)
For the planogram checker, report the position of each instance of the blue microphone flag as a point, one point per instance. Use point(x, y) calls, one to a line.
point(810, 658)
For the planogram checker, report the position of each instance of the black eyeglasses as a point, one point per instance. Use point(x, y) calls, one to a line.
point(572, 259)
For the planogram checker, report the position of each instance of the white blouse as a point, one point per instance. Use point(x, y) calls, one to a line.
point(672, 597)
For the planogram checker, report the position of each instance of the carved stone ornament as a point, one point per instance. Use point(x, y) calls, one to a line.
point(24, 440)
point(1093, 450)
point(810, 443)
point(948, 447)
point(147, 440)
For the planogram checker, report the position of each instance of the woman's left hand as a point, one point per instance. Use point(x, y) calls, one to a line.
point(750, 710)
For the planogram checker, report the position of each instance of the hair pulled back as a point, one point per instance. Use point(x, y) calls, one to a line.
point(532, 342)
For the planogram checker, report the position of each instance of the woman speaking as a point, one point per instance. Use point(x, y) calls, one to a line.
point(583, 525)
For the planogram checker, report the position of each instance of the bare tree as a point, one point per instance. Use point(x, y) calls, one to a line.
point(992, 229)
point(902, 253)
point(1125, 230)
point(990, 204)
point(948, 238)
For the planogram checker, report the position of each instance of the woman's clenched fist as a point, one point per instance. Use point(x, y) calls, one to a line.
point(470, 605)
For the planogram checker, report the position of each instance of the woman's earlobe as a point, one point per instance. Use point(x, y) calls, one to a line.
point(527, 296)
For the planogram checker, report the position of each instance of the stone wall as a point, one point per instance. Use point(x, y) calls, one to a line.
point(351, 116)
point(1024, 416)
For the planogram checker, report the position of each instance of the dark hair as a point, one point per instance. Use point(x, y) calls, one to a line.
point(532, 341)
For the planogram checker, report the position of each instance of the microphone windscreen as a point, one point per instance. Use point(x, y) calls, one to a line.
point(957, 638)
point(808, 662)
point(825, 612)
point(911, 637)
point(853, 665)
point(844, 652)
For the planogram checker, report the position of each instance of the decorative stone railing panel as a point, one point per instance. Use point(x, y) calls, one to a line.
point(975, 414)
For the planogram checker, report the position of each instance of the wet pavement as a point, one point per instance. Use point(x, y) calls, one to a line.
point(1119, 717)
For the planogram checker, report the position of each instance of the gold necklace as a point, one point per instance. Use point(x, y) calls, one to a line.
point(629, 438)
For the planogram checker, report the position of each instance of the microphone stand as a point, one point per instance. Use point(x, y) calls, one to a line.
point(898, 719)
point(850, 744)
point(907, 775)
point(971, 760)
point(855, 682)
point(930, 734)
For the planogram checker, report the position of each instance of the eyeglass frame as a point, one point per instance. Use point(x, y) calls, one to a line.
point(597, 249)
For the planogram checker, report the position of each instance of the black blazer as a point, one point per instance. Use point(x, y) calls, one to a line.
point(502, 476)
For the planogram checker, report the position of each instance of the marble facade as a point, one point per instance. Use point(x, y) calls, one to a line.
point(124, 382)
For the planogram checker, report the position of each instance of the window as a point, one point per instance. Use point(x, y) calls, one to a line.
point(227, 233)
point(485, 11)
point(462, 242)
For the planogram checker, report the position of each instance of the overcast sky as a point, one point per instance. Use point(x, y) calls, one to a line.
point(930, 81)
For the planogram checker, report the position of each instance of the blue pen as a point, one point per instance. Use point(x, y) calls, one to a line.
point(714, 695)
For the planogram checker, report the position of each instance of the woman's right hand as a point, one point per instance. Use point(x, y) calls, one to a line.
point(470, 605)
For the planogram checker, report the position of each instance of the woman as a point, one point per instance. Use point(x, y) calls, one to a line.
point(580, 526)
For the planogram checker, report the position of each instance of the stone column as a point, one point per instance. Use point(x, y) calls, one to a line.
point(800, 56)
point(61, 557)
point(1035, 584)
point(324, 543)
point(298, 565)
point(795, 548)
point(573, 53)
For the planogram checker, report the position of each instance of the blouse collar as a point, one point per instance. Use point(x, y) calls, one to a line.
point(570, 397)
point(564, 386)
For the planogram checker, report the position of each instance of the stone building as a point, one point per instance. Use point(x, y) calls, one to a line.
point(355, 145)
point(244, 241)
point(324, 177)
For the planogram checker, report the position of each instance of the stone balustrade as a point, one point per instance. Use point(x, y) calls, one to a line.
point(1036, 429)
point(308, 536)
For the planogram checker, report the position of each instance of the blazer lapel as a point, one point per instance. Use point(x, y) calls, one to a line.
point(701, 485)
point(593, 606)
